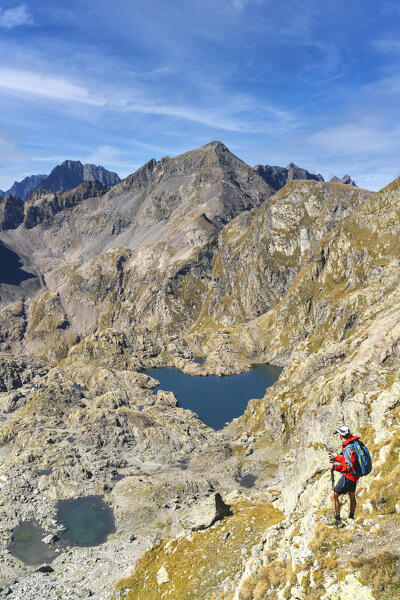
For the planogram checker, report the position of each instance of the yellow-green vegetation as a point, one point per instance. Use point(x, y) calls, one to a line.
point(198, 564)
point(46, 315)
point(47, 325)
point(385, 491)
point(381, 573)
point(273, 575)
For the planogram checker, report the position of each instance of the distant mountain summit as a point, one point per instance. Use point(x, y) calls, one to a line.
point(24, 188)
point(346, 180)
point(66, 176)
point(72, 173)
point(278, 177)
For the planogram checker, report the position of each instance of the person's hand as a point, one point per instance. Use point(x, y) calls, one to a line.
point(332, 466)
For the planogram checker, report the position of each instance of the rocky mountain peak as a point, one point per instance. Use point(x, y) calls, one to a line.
point(68, 175)
point(346, 180)
point(215, 145)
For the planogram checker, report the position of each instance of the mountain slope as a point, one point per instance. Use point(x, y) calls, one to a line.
point(259, 253)
point(337, 331)
point(129, 252)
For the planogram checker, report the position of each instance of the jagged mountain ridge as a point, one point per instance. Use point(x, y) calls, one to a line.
point(277, 177)
point(66, 176)
point(161, 218)
point(164, 222)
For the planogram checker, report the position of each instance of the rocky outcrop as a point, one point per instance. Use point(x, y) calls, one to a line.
point(42, 206)
point(260, 252)
point(11, 212)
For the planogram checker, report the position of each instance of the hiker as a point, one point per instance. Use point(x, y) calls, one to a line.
point(347, 464)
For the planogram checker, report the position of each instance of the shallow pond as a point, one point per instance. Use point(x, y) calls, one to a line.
point(27, 544)
point(88, 521)
point(216, 400)
point(247, 481)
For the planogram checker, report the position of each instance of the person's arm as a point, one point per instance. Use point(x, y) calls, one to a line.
point(337, 463)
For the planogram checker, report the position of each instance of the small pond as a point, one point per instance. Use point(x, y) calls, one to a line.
point(216, 400)
point(248, 481)
point(27, 544)
point(42, 472)
point(88, 521)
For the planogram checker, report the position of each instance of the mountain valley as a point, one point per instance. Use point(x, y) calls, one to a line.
point(205, 264)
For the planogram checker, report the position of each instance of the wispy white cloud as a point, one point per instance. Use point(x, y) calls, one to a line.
point(15, 17)
point(240, 4)
point(385, 87)
point(26, 82)
point(358, 137)
point(389, 45)
point(231, 117)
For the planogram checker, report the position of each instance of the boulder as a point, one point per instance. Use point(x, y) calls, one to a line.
point(50, 539)
point(44, 569)
point(206, 513)
point(162, 575)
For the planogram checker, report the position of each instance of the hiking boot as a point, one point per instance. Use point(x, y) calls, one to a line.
point(338, 523)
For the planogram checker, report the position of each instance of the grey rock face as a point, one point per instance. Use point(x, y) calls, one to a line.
point(277, 177)
point(93, 173)
point(72, 173)
point(346, 180)
point(296, 172)
point(11, 212)
point(261, 251)
point(42, 206)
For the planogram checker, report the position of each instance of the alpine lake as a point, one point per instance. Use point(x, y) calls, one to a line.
point(216, 400)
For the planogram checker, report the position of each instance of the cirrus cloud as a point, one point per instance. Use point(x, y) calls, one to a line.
point(15, 17)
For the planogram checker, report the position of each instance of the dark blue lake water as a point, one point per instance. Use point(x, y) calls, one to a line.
point(216, 400)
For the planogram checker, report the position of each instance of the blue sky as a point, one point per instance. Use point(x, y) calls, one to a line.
point(313, 82)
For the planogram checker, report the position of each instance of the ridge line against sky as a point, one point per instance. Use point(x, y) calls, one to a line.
point(309, 82)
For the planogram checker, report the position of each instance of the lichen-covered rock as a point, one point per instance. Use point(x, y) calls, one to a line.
point(348, 589)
